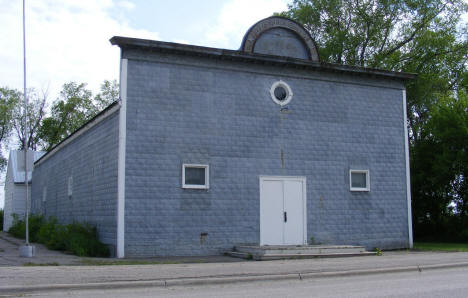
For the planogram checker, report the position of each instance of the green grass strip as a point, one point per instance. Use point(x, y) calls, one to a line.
point(441, 246)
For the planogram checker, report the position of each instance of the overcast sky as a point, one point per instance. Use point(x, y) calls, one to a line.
point(68, 40)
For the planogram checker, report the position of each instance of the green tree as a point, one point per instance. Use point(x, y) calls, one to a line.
point(35, 113)
point(74, 107)
point(374, 33)
point(71, 110)
point(426, 37)
point(440, 168)
point(9, 98)
point(108, 94)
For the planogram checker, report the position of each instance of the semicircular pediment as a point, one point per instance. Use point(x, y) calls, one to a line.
point(281, 37)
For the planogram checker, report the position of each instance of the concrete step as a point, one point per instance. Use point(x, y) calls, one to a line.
point(298, 249)
point(270, 252)
point(249, 256)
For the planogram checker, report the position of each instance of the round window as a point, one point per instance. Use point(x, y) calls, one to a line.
point(281, 93)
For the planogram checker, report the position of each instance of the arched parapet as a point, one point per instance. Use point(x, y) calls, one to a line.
point(281, 37)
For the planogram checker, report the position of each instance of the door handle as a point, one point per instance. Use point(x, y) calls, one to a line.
point(285, 214)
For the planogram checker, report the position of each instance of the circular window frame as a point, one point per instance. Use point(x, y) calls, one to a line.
point(289, 93)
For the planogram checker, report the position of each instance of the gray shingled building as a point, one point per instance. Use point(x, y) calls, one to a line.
point(15, 186)
point(209, 148)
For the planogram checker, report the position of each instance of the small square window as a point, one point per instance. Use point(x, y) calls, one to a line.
point(359, 180)
point(195, 176)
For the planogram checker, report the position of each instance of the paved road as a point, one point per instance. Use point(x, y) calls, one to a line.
point(433, 283)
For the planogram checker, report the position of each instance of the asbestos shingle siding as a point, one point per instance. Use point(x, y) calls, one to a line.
point(184, 109)
point(91, 161)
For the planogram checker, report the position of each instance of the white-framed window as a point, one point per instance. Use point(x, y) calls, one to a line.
point(70, 186)
point(281, 93)
point(359, 180)
point(195, 176)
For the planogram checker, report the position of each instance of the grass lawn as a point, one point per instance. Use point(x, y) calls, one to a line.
point(441, 246)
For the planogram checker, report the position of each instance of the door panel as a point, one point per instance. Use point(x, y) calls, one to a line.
point(294, 226)
point(280, 195)
point(271, 211)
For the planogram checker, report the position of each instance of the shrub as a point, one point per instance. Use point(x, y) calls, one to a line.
point(82, 240)
point(452, 228)
point(35, 224)
point(17, 229)
point(78, 238)
point(52, 235)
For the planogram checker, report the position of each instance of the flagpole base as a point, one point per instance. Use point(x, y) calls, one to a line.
point(27, 251)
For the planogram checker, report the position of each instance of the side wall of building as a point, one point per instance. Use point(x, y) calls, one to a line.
point(196, 110)
point(8, 199)
point(14, 199)
point(88, 166)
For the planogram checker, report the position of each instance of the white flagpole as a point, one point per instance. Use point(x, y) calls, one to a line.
point(27, 250)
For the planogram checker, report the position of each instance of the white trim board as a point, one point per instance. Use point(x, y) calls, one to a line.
point(120, 253)
point(408, 182)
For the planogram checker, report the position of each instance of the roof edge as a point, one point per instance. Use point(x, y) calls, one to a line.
point(13, 166)
point(154, 45)
point(83, 128)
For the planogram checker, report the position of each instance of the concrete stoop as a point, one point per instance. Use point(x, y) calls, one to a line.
point(276, 252)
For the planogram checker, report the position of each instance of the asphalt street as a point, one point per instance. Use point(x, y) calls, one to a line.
point(432, 283)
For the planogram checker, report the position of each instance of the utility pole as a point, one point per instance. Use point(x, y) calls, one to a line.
point(27, 250)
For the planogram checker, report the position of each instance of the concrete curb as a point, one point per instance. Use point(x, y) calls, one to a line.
point(221, 279)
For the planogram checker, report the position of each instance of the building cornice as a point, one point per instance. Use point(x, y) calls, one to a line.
point(223, 54)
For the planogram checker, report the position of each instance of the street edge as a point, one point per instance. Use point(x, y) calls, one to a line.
point(174, 282)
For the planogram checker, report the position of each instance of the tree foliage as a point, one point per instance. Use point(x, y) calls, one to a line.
point(35, 112)
point(426, 37)
point(375, 33)
point(109, 93)
point(8, 100)
point(73, 108)
point(440, 166)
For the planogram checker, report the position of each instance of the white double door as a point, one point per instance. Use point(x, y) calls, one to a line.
point(283, 210)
